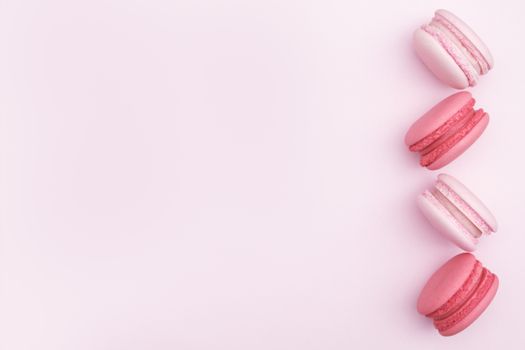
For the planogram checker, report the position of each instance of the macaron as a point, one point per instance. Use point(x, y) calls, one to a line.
point(456, 212)
point(452, 50)
point(457, 294)
point(447, 130)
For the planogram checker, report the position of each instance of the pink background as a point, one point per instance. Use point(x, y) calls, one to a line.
point(232, 175)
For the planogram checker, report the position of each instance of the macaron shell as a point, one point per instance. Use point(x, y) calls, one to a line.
point(469, 33)
point(460, 147)
point(438, 60)
point(476, 312)
point(471, 199)
point(437, 116)
point(443, 221)
point(445, 282)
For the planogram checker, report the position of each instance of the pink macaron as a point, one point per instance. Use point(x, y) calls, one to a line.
point(447, 130)
point(457, 294)
point(456, 212)
point(452, 51)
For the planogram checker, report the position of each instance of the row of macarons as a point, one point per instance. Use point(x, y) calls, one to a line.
point(461, 289)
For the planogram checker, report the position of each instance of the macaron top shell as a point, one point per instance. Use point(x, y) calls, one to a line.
point(470, 34)
point(471, 199)
point(437, 116)
point(445, 282)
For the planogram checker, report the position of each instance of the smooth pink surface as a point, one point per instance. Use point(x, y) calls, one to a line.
point(460, 296)
point(442, 132)
point(436, 116)
point(438, 60)
point(231, 175)
point(457, 294)
point(445, 282)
